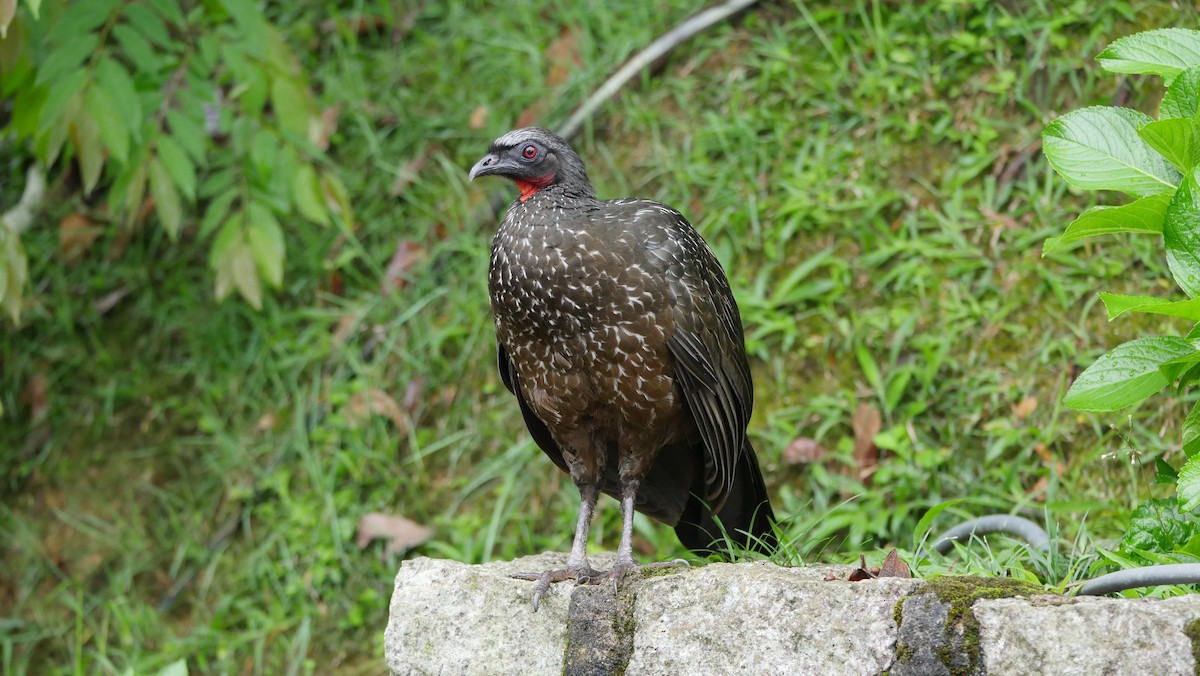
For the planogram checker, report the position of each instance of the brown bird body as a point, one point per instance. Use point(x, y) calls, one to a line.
point(619, 335)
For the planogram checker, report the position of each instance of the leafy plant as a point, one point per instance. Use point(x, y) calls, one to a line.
point(178, 108)
point(1154, 161)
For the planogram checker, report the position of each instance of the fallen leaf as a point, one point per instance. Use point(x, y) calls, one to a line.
point(328, 125)
point(377, 402)
point(1026, 408)
point(530, 115)
point(109, 300)
point(867, 423)
point(863, 572)
point(395, 276)
point(266, 421)
point(478, 118)
point(563, 57)
point(401, 533)
point(37, 397)
point(76, 233)
point(413, 393)
point(804, 450)
point(893, 566)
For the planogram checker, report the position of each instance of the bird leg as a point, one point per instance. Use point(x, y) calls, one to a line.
point(577, 568)
point(625, 562)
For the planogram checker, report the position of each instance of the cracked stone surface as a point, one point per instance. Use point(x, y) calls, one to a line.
point(1087, 635)
point(757, 618)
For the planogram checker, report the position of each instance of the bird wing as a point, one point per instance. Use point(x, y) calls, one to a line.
point(537, 428)
point(706, 342)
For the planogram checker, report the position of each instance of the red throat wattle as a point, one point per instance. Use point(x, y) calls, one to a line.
point(529, 188)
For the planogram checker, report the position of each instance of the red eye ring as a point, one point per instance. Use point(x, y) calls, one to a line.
point(529, 152)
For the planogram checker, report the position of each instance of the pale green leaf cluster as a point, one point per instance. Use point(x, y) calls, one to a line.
point(1156, 162)
point(195, 114)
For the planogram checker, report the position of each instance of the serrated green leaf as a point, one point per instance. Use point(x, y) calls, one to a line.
point(250, 23)
point(292, 105)
point(113, 131)
point(266, 242)
point(189, 134)
point(306, 193)
point(264, 149)
point(84, 17)
point(137, 49)
point(216, 211)
point(1165, 51)
point(135, 192)
point(1181, 236)
point(1098, 148)
point(169, 10)
point(337, 198)
point(1183, 96)
point(181, 169)
point(166, 198)
point(1189, 484)
point(119, 89)
point(8, 9)
point(58, 97)
point(1126, 375)
point(1117, 305)
point(89, 151)
point(1164, 473)
point(245, 275)
point(1176, 139)
point(220, 257)
point(1144, 215)
point(1191, 432)
point(149, 24)
point(66, 58)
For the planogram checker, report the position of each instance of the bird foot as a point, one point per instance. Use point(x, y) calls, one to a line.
point(621, 568)
point(582, 575)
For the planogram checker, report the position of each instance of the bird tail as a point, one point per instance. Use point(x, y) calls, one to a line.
point(746, 520)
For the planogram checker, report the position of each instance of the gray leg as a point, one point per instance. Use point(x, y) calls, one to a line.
point(577, 568)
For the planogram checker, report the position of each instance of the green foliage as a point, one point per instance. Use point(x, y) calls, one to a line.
point(1109, 148)
point(200, 110)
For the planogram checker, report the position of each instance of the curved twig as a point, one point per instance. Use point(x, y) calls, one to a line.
point(994, 523)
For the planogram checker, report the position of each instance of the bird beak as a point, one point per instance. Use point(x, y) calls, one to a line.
point(491, 164)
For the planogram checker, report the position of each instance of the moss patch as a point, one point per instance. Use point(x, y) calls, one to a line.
point(960, 652)
point(1192, 631)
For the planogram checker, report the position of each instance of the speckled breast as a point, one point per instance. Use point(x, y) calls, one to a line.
point(582, 318)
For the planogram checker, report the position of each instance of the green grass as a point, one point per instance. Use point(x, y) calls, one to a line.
point(881, 149)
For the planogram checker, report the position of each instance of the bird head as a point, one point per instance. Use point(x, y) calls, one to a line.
point(535, 159)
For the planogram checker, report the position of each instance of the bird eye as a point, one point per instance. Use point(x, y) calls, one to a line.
point(529, 152)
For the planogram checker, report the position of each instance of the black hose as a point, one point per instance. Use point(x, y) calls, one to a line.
point(1150, 576)
point(994, 523)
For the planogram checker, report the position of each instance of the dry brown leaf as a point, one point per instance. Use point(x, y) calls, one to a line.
point(804, 450)
point(376, 402)
point(867, 423)
point(37, 397)
point(108, 301)
point(478, 118)
point(563, 57)
point(530, 115)
point(1026, 407)
point(401, 533)
point(863, 572)
point(893, 566)
point(328, 125)
point(413, 393)
point(395, 276)
point(266, 421)
point(76, 233)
